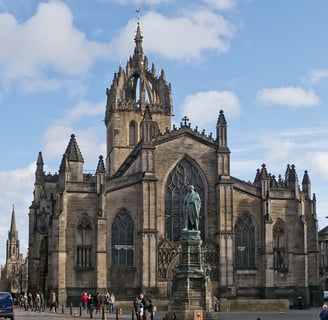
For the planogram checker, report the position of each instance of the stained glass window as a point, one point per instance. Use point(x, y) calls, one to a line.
point(83, 249)
point(123, 240)
point(279, 246)
point(245, 242)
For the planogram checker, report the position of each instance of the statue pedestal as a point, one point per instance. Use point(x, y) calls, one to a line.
point(191, 293)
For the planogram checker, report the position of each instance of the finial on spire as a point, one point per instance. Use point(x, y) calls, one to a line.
point(138, 10)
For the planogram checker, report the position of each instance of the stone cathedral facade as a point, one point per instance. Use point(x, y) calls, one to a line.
point(119, 229)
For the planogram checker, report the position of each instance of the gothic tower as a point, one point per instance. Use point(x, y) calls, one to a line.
point(13, 258)
point(132, 90)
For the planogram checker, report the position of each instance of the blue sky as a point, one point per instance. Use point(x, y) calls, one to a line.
point(265, 63)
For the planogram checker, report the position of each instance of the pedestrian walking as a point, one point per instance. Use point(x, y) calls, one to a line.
point(53, 302)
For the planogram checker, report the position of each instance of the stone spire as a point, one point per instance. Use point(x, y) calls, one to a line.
point(101, 165)
point(223, 152)
point(221, 130)
point(39, 174)
point(306, 185)
point(138, 50)
point(13, 233)
point(72, 162)
point(64, 165)
point(73, 151)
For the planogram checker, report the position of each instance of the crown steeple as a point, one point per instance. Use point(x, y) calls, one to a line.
point(134, 90)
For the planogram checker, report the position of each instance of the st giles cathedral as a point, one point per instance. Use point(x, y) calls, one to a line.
point(119, 229)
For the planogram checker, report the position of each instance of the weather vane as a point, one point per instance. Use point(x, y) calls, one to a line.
point(138, 10)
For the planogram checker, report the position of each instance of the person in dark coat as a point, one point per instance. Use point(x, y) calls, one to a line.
point(324, 313)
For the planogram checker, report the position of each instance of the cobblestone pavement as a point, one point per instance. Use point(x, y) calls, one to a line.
point(308, 314)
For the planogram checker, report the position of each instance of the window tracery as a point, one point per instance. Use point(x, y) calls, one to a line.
point(123, 240)
point(279, 246)
point(245, 242)
point(84, 247)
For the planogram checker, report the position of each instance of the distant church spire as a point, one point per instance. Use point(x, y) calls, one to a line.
point(13, 234)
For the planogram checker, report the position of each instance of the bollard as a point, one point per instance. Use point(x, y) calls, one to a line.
point(91, 311)
point(116, 313)
point(75, 314)
point(62, 307)
point(132, 314)
point(174, 316)
point(103, 315)
point(80, 309)
point(71, 308)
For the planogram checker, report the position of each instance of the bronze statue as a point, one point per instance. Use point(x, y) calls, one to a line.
point(192, 204)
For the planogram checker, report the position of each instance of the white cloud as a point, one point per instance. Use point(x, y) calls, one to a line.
point(294, 97)
point(55, 140)
point(16, 181)
point(244, 169)
point(305, 133)
point(46, 42)
point(201, 106)
point(138, 2)
point(317, 75)
point(186, 37)
point(90, 141)
point(57, 137)
point(43, 84)
point(221, 4)
point(278, 149)
point(318, 162)
point(84, 108)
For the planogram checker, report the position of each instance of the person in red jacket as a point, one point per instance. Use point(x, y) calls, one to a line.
point(84, 300)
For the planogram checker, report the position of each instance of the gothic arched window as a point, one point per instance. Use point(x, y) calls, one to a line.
point(245, 242)
point(123, 240)
point(279, 246)
point(177, 182)
point(133, 133)
point(83, 248)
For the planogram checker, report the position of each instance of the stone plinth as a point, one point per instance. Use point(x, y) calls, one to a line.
point(191, 287)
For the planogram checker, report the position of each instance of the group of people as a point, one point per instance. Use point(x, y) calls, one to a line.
point(31, 303)
point(141, 307)
point(98, 302)
point(36, 302)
